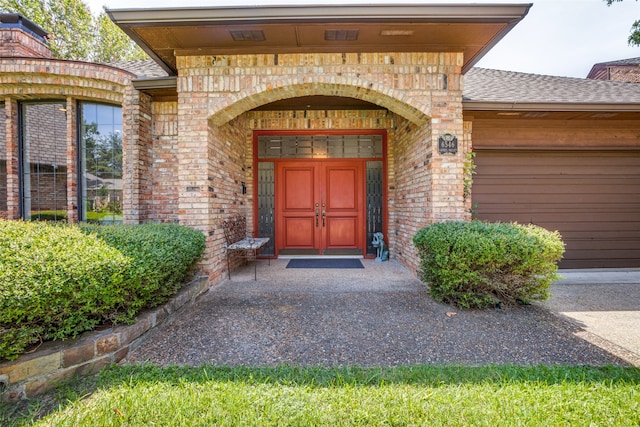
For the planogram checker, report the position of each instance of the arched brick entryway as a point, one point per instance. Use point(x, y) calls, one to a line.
point(218, 111)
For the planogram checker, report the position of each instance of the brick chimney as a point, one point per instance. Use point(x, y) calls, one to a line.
point(21, 38)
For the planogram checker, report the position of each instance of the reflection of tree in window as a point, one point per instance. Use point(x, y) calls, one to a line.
point(101, 163)
point(3, 166)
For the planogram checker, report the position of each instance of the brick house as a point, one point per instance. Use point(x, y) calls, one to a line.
point(321, 126)
point(622, 70)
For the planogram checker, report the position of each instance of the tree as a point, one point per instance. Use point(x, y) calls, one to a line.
point(74, 32)
point(634, 37)
point(114, 44)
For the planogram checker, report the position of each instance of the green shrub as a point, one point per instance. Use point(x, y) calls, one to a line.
point(163, 256)
point(57, 281)
point(479, 265)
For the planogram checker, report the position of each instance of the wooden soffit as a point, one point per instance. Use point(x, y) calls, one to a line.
point(472, 29)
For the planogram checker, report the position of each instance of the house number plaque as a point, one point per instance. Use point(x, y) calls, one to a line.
point(447, 144)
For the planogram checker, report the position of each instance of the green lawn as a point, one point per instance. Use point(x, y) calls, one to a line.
point(403, 396)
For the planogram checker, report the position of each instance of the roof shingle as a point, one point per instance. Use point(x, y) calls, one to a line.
point(485, 85)
point(147, 68)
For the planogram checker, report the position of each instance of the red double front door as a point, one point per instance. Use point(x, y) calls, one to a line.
point(320, 207)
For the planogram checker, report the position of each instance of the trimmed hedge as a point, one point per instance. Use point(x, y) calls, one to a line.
point(479, 265)
point(162, 256)
point(57, 281)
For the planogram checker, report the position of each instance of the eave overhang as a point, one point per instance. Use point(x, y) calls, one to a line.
point(472, 29)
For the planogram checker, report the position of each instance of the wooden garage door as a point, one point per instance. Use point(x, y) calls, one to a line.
point(591, 197)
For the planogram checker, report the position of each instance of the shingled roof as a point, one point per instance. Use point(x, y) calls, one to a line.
point(523, 89)
point(602, 70)
point(144, 69)
point(623, 62)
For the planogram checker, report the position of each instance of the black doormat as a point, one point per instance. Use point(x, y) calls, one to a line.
point(325, 263)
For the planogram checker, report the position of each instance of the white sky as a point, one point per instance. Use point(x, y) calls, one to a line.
point(557, 37)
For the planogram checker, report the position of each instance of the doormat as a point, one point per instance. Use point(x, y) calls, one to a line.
point(325, 263)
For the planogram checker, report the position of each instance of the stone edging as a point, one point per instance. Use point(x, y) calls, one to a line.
point(54, 362)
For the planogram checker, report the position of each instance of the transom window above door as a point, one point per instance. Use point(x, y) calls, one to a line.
point(320, 146)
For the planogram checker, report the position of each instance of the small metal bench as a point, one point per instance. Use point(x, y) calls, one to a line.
point(238, 243)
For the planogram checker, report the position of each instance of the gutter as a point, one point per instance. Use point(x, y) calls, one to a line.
point(325, 13)
point(156, 83)
point(548, 106)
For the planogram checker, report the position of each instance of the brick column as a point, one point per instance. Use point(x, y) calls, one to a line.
point(13, 178)
point(447, 202)
point(136, 143)
point(195, 181)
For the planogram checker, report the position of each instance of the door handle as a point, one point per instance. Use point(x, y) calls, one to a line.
point(317, 213)
point(324, 214)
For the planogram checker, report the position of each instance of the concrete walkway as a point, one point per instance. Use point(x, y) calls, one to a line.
point(605, 304)
point(383, 316)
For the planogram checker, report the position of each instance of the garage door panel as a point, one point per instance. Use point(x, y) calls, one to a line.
point(571, 186)
point(553, 197)
point(555, 158)
point(618, 254)
point(550, 213)
point(618, 221)
point(546, 169)
point(604, 245)
point(596, 263)
point(591, 197)
point(632, 235)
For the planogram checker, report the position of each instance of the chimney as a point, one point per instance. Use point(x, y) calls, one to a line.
point(21, 38)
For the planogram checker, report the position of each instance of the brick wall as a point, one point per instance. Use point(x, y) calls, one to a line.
point(15, 42)
point(57, 79)
point(412, 199)
point(137, 156)
point(625, 74)
point(228, 168)
point(164, 152)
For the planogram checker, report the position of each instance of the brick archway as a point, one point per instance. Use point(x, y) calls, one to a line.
point(317, 85)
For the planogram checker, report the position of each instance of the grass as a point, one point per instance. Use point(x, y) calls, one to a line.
point(292, 396)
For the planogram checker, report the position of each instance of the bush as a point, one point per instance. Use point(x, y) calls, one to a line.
point(479, 265)
point(57, 281)
point(163, 256)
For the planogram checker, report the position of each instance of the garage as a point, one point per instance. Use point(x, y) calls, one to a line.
point(592, 197)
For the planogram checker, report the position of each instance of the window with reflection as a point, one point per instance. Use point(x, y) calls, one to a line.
point(100, 163)
point(43, 162)
point(3, 164)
